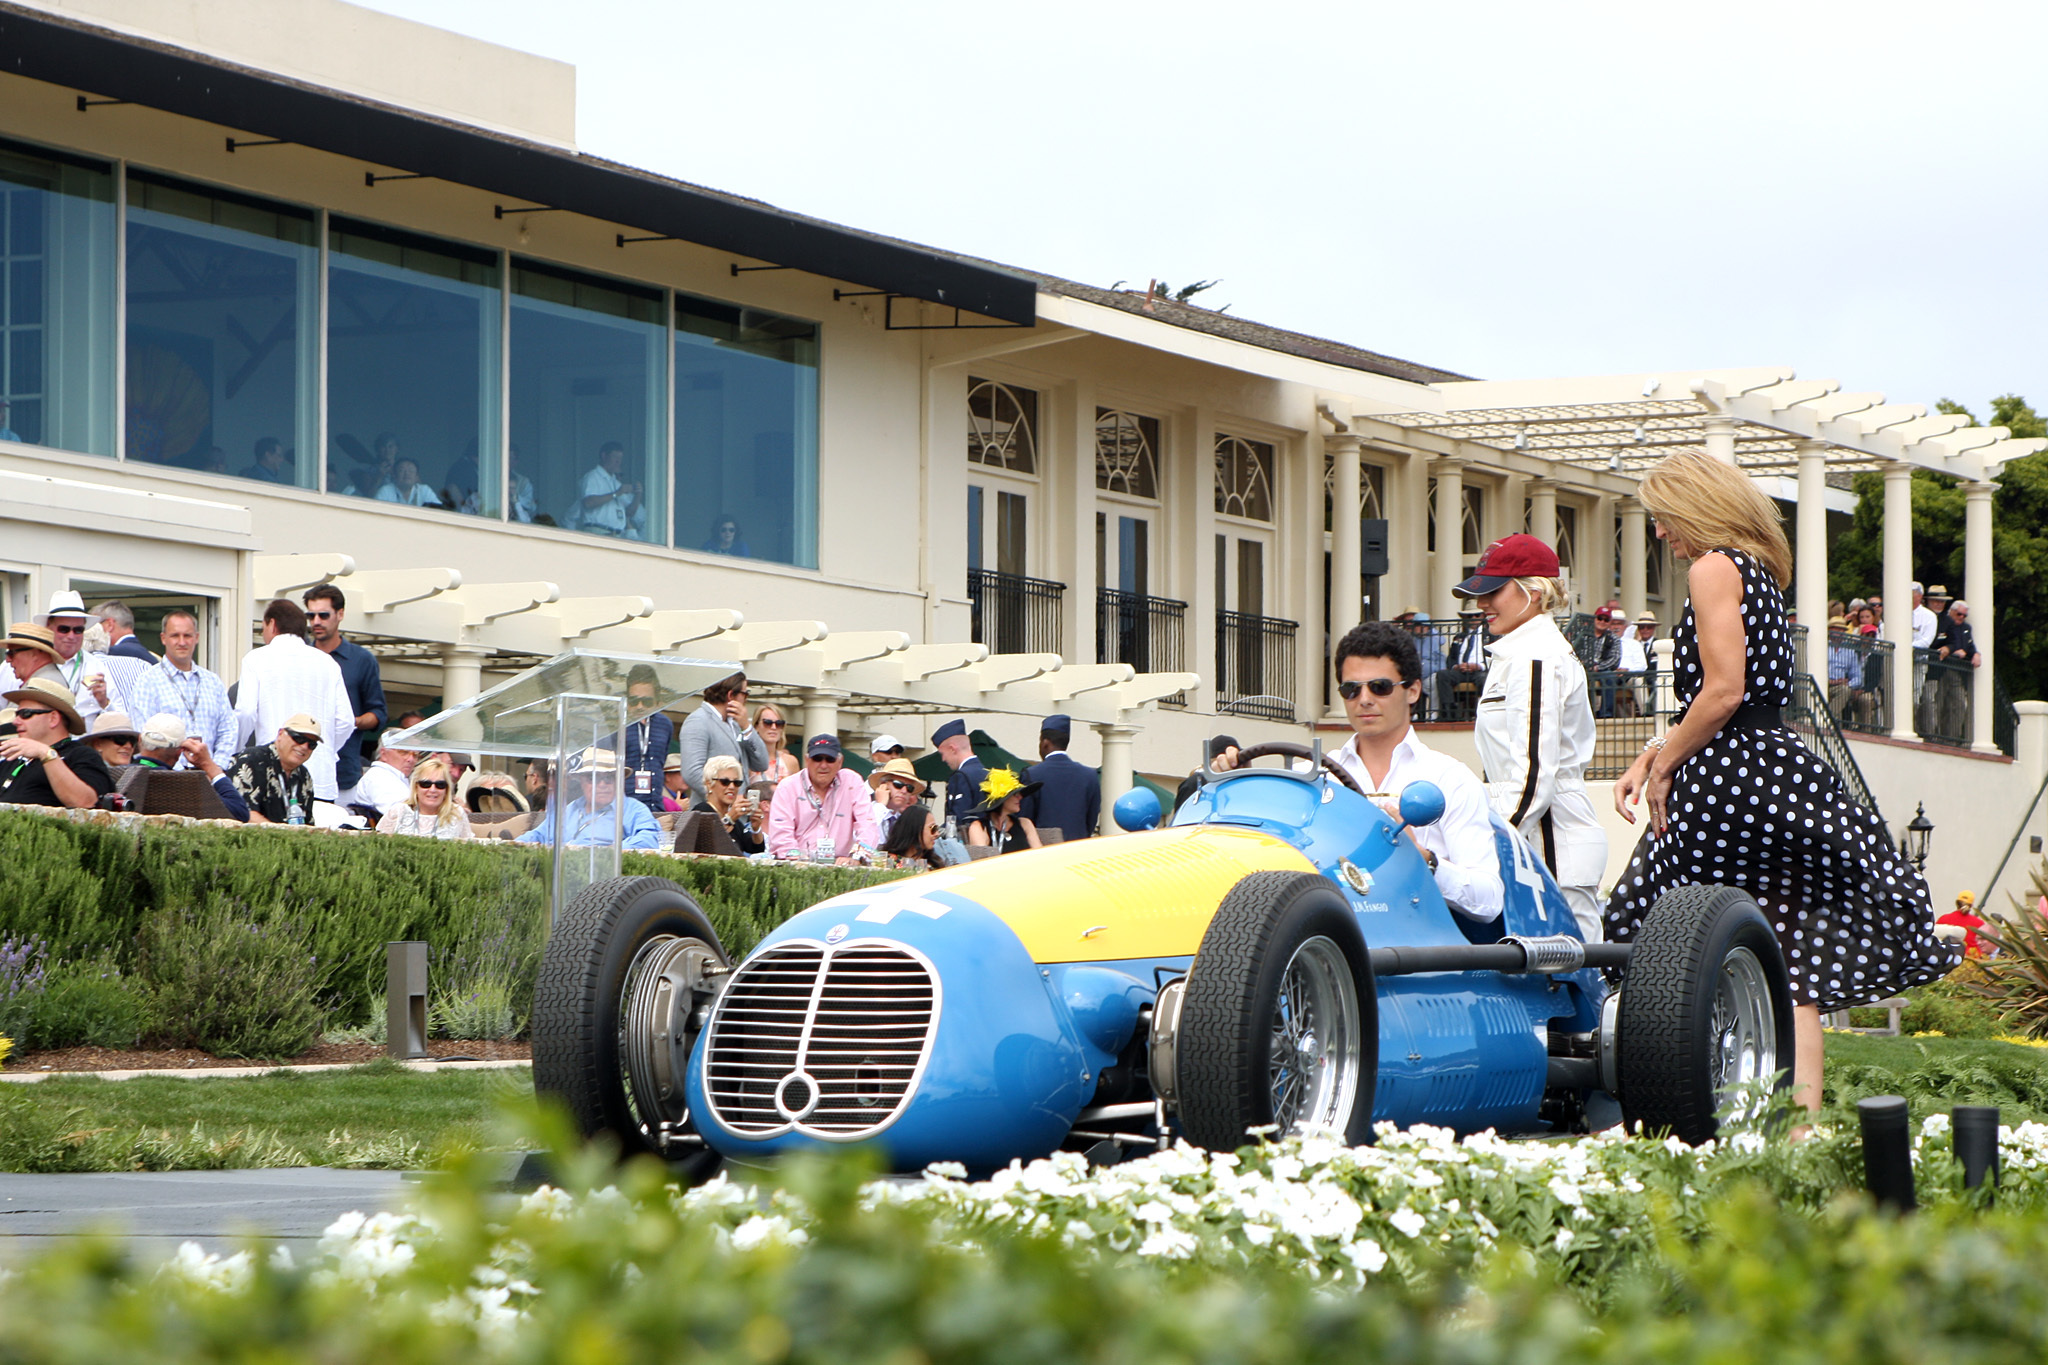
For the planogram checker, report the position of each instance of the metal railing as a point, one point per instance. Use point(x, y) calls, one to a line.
point(1450, 689)
point(1148, 633)
point(1255, 665)
point(1012, 614)
point(1860, 683)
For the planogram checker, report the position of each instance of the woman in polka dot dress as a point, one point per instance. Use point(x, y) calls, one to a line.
point(1734, 797)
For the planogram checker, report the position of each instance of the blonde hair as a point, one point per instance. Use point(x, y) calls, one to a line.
point(716, 765)
point(1712, 505)
point(1546, 593)
point(449, 805)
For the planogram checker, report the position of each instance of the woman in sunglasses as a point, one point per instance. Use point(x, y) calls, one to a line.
point(774, 734)
point(725, 797)
point(1534, 722)
point(431, 811)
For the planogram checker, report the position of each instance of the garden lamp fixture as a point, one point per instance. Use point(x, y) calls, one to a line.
point(1913, 843)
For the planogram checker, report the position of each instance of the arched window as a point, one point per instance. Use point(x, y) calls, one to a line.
point(1126, 453)
point(1244, 478)
point(1002, 426)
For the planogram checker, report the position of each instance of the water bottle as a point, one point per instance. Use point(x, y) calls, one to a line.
point(294, 813)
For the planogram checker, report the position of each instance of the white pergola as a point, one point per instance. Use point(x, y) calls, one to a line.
point(432, 615)
point(1766, 421)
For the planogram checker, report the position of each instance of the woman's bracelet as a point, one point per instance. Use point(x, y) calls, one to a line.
point(1655, 743)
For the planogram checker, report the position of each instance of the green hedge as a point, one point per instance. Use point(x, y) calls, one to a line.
point(104, 891)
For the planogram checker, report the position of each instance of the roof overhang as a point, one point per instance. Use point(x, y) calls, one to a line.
point(1761, 418)
point(120, 66)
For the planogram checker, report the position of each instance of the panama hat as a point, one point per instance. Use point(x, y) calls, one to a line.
point(54, 695)
point(67, 604)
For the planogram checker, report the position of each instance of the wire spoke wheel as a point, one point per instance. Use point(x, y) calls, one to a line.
point(1313, 1062)
point(1744, 1031)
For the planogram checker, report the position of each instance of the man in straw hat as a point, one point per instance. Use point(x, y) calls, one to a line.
point(276, 779)
point(897, 788)
point(31, 652)
point(44, 763)
point(595, 810)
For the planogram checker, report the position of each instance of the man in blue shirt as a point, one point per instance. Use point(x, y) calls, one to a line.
point(325, 606)
point(1845, 674)
point(648, 735)
point(588, 821)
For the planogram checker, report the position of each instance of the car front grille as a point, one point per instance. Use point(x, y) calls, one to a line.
point(827, 1040)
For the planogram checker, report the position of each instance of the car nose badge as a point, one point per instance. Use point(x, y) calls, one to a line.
point(1354, 876)
point(835, 933)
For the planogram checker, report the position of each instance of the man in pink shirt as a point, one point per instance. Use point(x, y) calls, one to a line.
point(824, 806)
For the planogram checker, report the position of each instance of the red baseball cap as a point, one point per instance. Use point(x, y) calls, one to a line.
point(1510, 557)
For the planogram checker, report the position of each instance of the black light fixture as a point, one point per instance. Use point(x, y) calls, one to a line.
point(1913, 843)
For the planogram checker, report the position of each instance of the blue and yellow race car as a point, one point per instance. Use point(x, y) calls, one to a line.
point(1277, 959)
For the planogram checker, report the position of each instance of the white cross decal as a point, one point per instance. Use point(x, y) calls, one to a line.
point(885, 904)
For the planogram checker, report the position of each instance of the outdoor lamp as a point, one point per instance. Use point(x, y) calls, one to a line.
point(1913, 843)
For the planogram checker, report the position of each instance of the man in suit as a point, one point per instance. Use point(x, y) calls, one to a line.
point(963, 788)
point(1467, 664)
point(1070, 795)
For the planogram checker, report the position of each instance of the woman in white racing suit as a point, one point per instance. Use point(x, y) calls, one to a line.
point(1534, 724)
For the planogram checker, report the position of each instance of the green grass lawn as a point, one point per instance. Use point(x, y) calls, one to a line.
point(379, 1115)
point(383, 1115)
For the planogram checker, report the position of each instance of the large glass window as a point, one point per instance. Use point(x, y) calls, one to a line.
point(412, 369)
point(222, 303)
point(746, 432)
point(56, 300)
point(589, 404)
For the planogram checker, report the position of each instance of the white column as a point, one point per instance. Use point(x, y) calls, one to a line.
point(1116, 770)
point(821, 711)
point(1596, 550)
point(1197, 459)
point(1346, 606)
point(462, 673)
point(1898, 587)
point(1447, 565)
point(1407, 583)
point(1543, 510)
point(1977, 581)
point(1810, 573)
point(1635, 550)
point(1720, 438)
point(1070, 517)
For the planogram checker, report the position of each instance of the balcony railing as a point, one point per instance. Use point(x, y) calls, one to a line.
point(1861, 687)
point(1255, 665)
point(1012, 614)
point(1148, 633)
point(1946, 693)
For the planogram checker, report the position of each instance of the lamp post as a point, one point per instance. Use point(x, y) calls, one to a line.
point(1913, 843)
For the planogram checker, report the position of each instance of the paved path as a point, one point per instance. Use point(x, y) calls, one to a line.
point(156, 1211)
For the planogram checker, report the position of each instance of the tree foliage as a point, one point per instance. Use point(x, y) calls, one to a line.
point(2019, 546)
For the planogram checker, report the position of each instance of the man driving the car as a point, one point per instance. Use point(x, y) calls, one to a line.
point(1379, 678)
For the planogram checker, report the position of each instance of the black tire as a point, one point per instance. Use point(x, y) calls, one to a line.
point(1225, 1069)
point(1706, 999)
point(602, 946)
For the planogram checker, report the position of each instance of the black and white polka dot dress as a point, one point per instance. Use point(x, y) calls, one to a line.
point(1757, 809)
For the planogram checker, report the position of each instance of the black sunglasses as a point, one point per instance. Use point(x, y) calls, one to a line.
point(903, 786)
point(769, 724)
point(67, 630)
point(318, 615)
point(1379, 687)
point(303, 738)
point(727, 781)
point(435, 782)
point(31, 712)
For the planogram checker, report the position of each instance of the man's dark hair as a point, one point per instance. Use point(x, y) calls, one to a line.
point(720, 691)
point(906, 837)
point(1380, 640)
point(642, 673)
point(408, 719)
point(288, 616)
point(609, 446)
point(326, 592)
point(266, 445)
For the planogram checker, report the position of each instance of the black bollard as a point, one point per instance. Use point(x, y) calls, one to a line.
point(1976, 1131)
point(1887, 1152)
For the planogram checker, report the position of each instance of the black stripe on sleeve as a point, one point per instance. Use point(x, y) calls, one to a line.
point(1535, 734)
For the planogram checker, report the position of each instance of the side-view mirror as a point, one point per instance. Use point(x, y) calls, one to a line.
point(1422, 803)
point(1138, 809)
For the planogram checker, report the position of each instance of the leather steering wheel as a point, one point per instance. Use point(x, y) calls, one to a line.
point(1288, 749)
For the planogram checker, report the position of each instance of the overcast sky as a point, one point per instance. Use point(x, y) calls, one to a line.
point(1507, 190)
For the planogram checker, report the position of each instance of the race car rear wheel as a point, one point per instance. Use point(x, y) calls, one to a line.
point(614, 1011)
point(1279, 1022)
point(1706, 1007)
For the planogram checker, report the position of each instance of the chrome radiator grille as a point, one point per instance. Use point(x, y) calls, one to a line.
point(824, 1040)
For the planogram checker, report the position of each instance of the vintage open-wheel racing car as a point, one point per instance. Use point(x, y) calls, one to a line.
point(1278, 956)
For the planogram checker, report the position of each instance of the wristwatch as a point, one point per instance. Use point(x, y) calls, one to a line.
point(1429, 858)
point(52, 756)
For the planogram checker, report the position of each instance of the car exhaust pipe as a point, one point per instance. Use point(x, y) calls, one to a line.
point(1548, 954)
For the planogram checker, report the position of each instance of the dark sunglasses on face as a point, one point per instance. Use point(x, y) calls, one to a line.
point(31, 712)
point(67, 630)
point(318, 615)
point(726, 781)
point(1379, 687)
point(824, 758)
point(300, 737)
point(903, 786)
point(769, 724)
point(436, 783)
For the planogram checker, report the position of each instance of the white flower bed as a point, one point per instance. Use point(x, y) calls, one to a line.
point(1338, 1214)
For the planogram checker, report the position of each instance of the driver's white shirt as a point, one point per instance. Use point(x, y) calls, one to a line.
point(1467, 860)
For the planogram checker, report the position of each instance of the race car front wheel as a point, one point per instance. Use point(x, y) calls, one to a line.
point(614, 1015)
point(1705, 1014)
point(1279, 1020)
